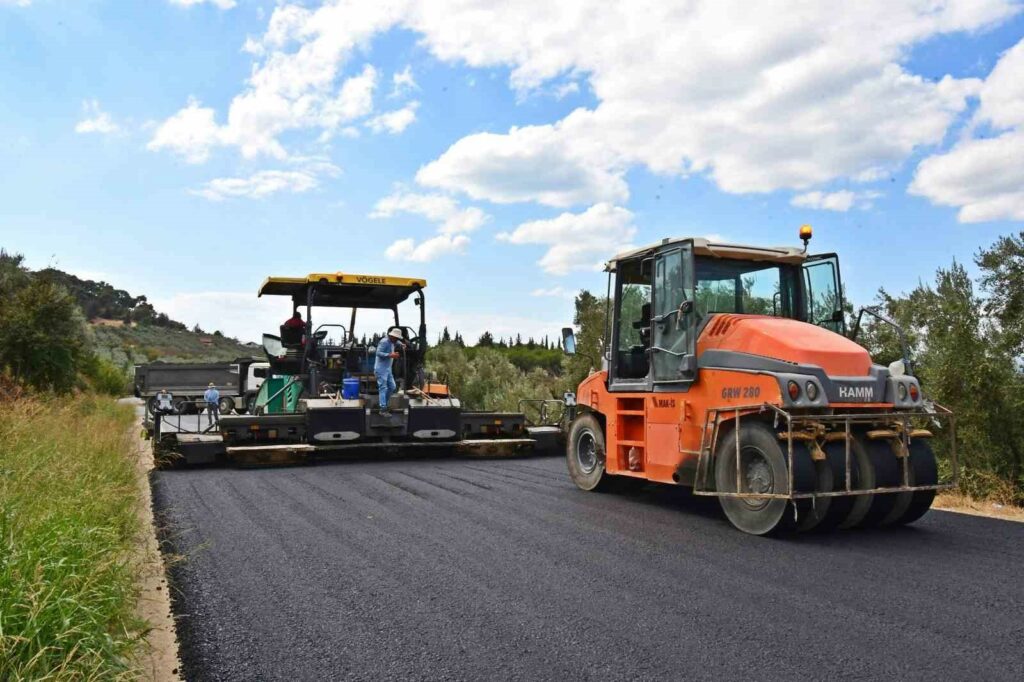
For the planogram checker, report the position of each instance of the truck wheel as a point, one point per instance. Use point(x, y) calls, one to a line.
point(585, 454)
point(762, 470)
point(151, 405)
point(182, 406)
point(226, 405)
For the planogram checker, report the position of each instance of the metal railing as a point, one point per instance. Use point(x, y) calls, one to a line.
point(814, 428)
point(198, 417)
point(543, 412)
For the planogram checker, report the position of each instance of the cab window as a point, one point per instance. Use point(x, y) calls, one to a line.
point(725, 285)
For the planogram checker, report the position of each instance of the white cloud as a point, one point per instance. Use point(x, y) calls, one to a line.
point(755, 96)
point(536, 163)
point(453, 222)
point(191, 133)
point(402, 82)
point(842, 200)
point(396, 121)
point(222, 4)
point(96, 120)
point(984, 175)
point(259, 185)
point(577, 241)
point(438, 208)
point(235, 313)
point(427, 250)
point(554, 292)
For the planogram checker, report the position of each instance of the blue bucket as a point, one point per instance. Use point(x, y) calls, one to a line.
point(350, 389)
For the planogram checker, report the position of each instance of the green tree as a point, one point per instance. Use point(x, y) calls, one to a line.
point(43, 337)
point(1002, 280)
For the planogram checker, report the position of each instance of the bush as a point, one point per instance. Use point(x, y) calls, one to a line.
point(68, 524)
point(103, 376)
point(43, 338)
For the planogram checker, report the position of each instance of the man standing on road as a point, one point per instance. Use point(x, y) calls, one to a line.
point(386, 355)
point(212, 398)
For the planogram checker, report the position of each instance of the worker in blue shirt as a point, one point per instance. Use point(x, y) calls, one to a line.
point(386, 355)
point(212, 398)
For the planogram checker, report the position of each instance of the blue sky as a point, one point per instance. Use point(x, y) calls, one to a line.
point(186, 149)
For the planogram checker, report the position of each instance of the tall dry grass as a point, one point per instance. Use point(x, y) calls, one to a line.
point(68, 523)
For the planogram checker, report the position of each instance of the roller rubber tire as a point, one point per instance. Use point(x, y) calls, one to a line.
point(765, 464)
point(814, 511)
point(585, 455)
point(887, 475)
point(925, 471)
point(839, 507)
point(903, 500)
point(862, 477)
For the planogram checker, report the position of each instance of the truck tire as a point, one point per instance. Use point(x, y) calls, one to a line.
point(585, 454)
point(182, 406)
point(226, 405)
point(151, 405)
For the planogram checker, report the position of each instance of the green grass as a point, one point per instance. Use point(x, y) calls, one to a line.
point(68, 526)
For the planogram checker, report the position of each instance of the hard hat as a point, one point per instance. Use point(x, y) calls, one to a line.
point(395, 331)
point(211, 384)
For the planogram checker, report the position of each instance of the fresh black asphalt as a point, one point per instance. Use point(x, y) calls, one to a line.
point(469, 569)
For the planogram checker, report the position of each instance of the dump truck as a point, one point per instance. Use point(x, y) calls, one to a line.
point(320, 396)
point(728, 369)
point(237, 381)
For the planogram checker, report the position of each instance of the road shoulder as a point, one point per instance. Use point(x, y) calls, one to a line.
point(159, 656)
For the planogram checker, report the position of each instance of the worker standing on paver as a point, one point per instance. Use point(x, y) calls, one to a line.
point(386, 355)
point(212, 398)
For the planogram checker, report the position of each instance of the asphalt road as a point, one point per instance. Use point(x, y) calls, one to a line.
point(503, 570)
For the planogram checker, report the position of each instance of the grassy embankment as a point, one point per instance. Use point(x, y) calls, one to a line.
point(138, 344)
point(68, 528)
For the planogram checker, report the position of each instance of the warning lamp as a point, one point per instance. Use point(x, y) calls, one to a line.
point(794, 390)
point(805, 234)
point(914, 392)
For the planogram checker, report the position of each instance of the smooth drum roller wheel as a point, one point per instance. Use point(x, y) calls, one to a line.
point(923, 471)
point(585, 454)
point(762, 469)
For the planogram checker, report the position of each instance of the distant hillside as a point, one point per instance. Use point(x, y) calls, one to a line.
point(100, 300)
point(127, 330)
point(147, 343)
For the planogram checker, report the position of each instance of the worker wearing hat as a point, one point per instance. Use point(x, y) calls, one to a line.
point(386, 355)
point(212, 398)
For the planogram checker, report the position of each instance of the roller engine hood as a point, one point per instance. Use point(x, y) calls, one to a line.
point(787, 340)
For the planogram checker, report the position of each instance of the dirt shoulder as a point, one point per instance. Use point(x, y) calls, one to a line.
point(961, 504)
point(159, 656)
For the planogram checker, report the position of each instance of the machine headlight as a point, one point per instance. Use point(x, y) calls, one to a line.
point(812, 391)
point(901, 390)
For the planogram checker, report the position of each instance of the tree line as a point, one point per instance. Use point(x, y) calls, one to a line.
point(44, 339)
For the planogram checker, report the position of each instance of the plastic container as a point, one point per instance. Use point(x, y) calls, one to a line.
point(350, 388)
